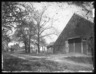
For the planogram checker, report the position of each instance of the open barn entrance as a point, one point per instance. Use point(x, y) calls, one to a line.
point(75, 45)
point(78, 45)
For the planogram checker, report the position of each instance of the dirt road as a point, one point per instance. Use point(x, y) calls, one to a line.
point(70, 65)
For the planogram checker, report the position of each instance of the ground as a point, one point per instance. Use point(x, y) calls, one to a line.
point(45, 62)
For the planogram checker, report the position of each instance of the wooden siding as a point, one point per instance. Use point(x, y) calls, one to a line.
point(76, 27)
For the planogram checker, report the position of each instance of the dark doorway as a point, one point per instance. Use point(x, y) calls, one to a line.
point(75, 45)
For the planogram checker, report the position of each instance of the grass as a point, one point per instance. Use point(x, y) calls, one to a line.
point(87, 60)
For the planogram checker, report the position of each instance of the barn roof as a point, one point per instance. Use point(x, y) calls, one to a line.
point(76, 27)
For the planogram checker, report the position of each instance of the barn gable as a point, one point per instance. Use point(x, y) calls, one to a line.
point(76, 27)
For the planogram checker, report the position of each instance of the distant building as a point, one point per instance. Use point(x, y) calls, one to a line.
point(43, 48)
point(74, 36)
point(34, 47)
point(50, 47)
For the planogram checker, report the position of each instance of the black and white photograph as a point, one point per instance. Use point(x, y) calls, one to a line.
point(47, 36)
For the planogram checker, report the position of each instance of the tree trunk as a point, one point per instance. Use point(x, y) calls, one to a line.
point(29, 45)
point(29, 39)
point(25, 46)
point(38, 45)
point(29, 48)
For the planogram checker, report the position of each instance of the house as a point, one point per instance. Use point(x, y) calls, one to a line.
point(73, 39)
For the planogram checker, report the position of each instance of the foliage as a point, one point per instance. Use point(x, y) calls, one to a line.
point(86, 7)
point(9, 17)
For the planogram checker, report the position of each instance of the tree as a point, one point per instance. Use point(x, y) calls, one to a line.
point(25, 33)
point(37, 16)
point(7, 19)
point(87, 7)
point(5, 40)
point(26, 29)
point(23, 15)
point(40, 26)
point(12, 15)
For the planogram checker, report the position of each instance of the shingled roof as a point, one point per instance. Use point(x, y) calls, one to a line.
point(76, 27)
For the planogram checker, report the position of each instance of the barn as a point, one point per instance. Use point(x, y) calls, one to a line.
point(74, 37)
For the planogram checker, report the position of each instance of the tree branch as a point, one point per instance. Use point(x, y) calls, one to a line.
point(48, 35)
point(45, 23)
point(45, 29)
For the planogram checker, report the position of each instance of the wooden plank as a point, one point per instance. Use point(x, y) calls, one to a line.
point(71, 47)
point(78, 47)
point(84, 47)
point(74, 46)
point(81, 47)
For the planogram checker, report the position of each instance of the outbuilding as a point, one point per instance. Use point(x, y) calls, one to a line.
point(75, 36)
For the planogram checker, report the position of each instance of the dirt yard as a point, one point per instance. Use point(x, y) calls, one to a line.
point(41, 63)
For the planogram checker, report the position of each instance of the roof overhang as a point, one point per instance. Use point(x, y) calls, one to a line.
point(73, 37)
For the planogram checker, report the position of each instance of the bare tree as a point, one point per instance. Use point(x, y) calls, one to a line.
point(38, 16)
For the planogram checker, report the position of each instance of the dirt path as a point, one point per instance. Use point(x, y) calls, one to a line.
point(69, 62)
point(57, 58)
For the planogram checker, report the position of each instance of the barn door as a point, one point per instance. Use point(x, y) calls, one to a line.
point(66, 46)
point(85, 50)
point(75, 45)
point(71, 46)
point(78, 45)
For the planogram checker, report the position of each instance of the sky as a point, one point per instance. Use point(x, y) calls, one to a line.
point(60, 14)
point(60, 18)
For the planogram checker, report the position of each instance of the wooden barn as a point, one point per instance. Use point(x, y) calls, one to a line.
point(74, 37)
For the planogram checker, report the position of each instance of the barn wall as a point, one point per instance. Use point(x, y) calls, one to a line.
point(61, 49)
point(84, 47)
point(74, 45)
point(66, 47)
point(77, 26)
